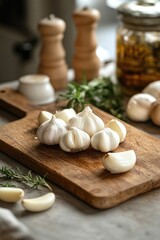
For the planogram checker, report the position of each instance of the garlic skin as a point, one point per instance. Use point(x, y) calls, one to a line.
point(50, 131)
point(87, 121)
point(65, 114)
point(44, 116)
point(105, 140)
point(118, 127)
point(153, 89)
point(10, 194)
point(155, 112)
point(139, 107)
point(119, 162)
point(74, 140)
point(40, 203)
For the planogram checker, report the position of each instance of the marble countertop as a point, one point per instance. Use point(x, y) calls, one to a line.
point(70, 218)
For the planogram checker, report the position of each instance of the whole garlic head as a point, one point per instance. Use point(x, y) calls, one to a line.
point(155, 112)
point(118, 127)
point(105, 140)
point(119, 162)
point(87, 121)
point(50, 131)
point(74, 140)
point(153, 89)
point(65, 114)
point(139, 107)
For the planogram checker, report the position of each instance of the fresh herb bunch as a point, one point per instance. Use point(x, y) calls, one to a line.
point(18, 175)
point(100, 92)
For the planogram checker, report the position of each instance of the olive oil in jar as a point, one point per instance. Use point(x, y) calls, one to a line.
point(138, 45)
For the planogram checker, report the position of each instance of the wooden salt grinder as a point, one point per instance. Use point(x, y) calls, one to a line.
point(85, 61)
point(52, 54)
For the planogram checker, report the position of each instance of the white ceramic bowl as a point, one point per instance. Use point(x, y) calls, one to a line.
point(37, 89)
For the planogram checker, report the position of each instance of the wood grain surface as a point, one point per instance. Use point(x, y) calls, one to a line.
point(81, 173)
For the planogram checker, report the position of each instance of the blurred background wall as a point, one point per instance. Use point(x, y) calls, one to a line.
point(20, 40)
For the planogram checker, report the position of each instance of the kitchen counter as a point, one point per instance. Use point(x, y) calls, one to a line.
point(70, 218)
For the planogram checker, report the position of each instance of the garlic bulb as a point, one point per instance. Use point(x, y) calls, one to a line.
point(105, 140)
point(44, 116)
point(139, 107)
point(118, 127)
point(153, 89)
point(50, 131)
point(65, 114)
point(12, 195)
point(74, 140)
point(155, 112)
point(87, 121)
point(40, 203)
point(119, 162)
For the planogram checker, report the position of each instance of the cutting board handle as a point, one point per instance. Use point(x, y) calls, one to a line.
point(14, 102)
point(17, 104)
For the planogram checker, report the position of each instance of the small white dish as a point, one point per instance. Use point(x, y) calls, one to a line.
point(37, 88)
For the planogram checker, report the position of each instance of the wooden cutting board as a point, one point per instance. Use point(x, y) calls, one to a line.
point(79, 173)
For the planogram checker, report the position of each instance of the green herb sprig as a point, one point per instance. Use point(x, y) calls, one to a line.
point(27, 179)
point(100, 92)
point(7, 184)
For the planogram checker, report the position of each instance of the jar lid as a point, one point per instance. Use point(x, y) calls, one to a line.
point(141, 8)
point(145, 11)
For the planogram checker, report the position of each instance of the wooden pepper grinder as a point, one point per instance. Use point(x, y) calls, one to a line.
point(85, 61)
point(52, 54)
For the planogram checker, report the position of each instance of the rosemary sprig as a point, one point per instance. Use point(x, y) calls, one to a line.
point(28, 179)
point(7, 184)
point(100, 92)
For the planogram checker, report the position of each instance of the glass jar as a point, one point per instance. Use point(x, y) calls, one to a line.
point(138, 45)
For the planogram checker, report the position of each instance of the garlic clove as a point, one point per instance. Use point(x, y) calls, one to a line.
point(74, 140)
point(65, 114)
point(11, 195)
point(87, 121)
point(44, 116)
point(139, 107)
point(40, 203)
point(105, 140)
point(155, 112)
point(119, 162)
point(118, 127)
point(153, 89)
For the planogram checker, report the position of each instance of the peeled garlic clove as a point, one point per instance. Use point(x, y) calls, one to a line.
point(153, 89)
point(65, 114)
point(119, 162)
point(139, 107)
point(40, 203)
point(87, 121)
point(44, 116)
point(105, 140)
point(118, 127)
point(155, 112)
point(11, 195)
point(74, 140)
